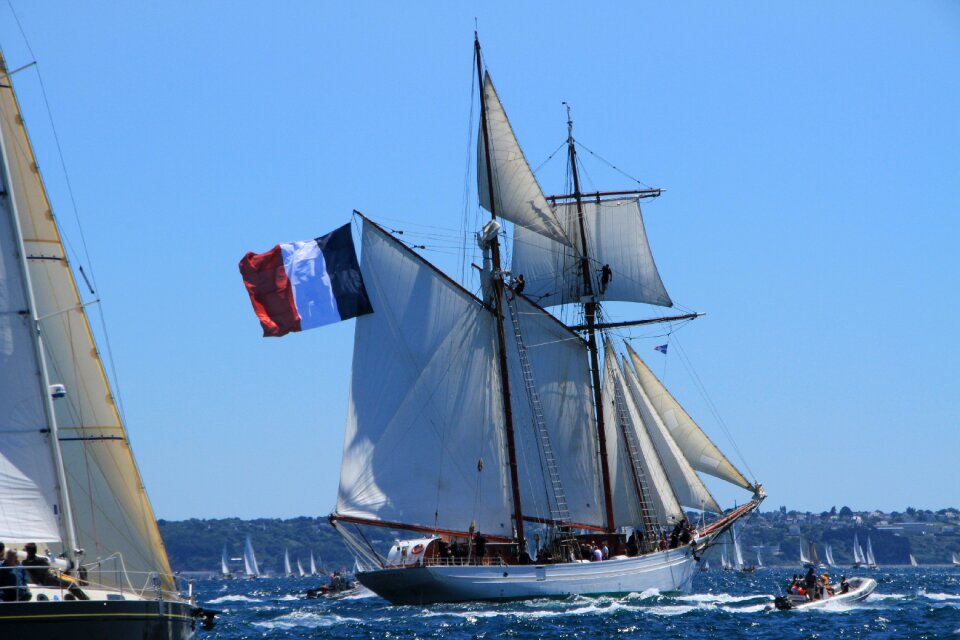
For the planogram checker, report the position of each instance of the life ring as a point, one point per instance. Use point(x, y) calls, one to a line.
point(417, 548)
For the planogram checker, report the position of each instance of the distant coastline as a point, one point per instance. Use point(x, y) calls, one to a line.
point(195, 545)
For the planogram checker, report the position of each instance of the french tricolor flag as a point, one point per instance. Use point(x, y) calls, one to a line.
point(302, 285)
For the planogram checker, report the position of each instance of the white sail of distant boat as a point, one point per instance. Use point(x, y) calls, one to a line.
point(871, 560)
point(490, 396)
point(287, 569)
point(858, 557)
point(759, 560)
point(706, 566)
point(224, 562)
point(250, 560)
point(300, 570)
point(804, 556)
point(828, 555)
point(738, 563)
point(956, 559)
point(724, 563)
point(913, 561)
point(313, 565)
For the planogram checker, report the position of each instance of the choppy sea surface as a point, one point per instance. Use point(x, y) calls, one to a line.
point(922, 602)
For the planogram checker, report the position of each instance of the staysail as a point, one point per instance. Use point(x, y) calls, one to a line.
point(615, 237)
point(423, 443)
point(687, 485)
point(699, 450)
point(113, 517)
point(518, 196)
point(660, 497)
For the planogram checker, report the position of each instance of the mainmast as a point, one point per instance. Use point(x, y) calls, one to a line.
point(590, 311)
point(498, 296)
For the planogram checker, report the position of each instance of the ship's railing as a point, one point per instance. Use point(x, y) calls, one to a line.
point(494, 561)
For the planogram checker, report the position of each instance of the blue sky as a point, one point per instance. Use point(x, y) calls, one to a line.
point(809, 152)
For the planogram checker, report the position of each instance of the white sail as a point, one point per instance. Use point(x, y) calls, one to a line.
point(625, 501)
point(686, 484)
point(110, 508)
point(559, 366)
point(737, 553)
point(516, 191)
point(224, 562)
point(804, 556)
point(871, 561)
point(759, 560)
point(913, 561)
point(287, 569)
point(615, 237)
point(857, 551)
point(300, 571)
point(313, 565)
point(250, 560)
point(724, 563)
point(828, 555)
point(703, 455)
point(956, 559)
point(29, 499)
point(423, 439)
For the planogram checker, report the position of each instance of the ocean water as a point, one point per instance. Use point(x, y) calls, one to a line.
point(908, 603)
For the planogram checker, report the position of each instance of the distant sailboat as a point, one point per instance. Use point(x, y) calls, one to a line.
point(313, 566)
point(759, 560)
point(224, 563)
point(956, 559)
point(724, 563)
point(300, 570)
point(738, 563)
point(871, 560)
point(706, 566)
point(858, 558)
point(828, 556)
point(287, 569)
point(913, 561)
point(804, 555)
point(250, 560)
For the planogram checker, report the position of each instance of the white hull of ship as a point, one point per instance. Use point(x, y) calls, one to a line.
point(666, 571)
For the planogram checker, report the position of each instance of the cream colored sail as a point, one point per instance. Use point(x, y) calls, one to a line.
point(516, 191)
point(687, 485)
point(661, 497)
point(112, 513)
point(699, 450)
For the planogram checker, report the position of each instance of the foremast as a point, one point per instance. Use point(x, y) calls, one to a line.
point(590, 312)
point(498, 296)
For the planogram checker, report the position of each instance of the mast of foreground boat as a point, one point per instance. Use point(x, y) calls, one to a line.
point(497, 281)
point(590, 311)
point(68, 525)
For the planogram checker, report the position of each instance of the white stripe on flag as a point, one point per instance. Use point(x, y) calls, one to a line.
point(312, 290)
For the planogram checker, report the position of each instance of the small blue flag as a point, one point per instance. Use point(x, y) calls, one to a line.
point(661, 348)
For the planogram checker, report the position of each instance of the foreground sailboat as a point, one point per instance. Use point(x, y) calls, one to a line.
point(482, 423)
point(68, 480)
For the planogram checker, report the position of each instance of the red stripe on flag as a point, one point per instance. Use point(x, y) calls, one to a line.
point(270, 292)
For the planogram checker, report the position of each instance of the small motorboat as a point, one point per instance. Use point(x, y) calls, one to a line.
point(859, 589)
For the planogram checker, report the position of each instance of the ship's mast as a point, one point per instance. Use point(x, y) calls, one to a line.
point(590, 311)
point(498, 296)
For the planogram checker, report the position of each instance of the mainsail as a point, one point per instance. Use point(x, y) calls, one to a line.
point(111, 513)
point(250, 560)
point(224, 562)
point(615, 237)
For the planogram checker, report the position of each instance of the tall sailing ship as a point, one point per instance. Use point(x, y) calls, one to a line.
point(482, 425)
point(68, 480)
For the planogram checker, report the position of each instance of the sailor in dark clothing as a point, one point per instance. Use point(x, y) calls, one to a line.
point(38, 571)
point(675, 535)
point(606, 275)
point(844, 585)
point(13, 584)
point(481, 547)
point(810, 583)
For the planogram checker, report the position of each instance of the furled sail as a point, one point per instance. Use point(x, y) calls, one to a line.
point(623, 487)
point(561, 378)
point(687, 485)
point(516, 191)
point(423, 443)
point(28, 481)
point(615, 237)
point(702, 454)
point(110, 507)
